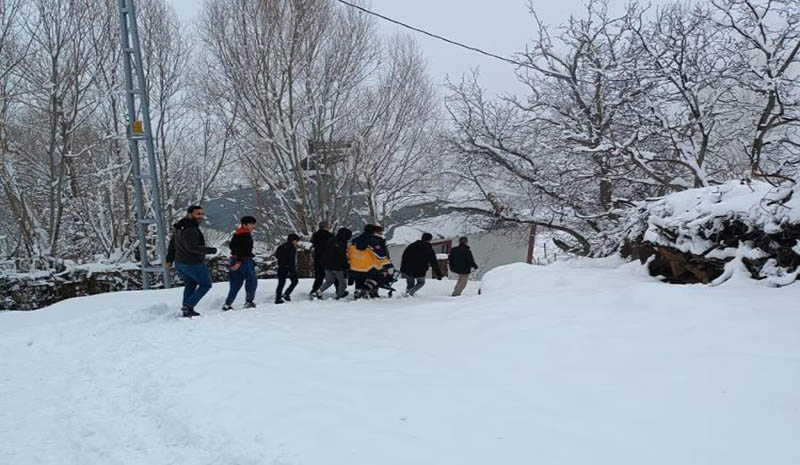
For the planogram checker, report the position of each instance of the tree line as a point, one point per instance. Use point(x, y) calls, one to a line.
point(301, 99)
point(326, 118)
point(622, 107)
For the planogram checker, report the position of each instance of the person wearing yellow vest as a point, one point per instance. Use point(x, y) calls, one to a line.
point(368, 260)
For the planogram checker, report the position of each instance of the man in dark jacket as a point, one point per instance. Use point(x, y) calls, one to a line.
point(287, 268)
point(187, 250)
point(462, 263)
point(335, 263)
point(242, 267)
point(417, 258)
point(320, 240)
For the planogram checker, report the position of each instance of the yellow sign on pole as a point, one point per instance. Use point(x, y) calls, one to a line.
point(137, 128)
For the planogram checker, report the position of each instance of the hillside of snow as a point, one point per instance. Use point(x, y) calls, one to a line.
point(586, 362)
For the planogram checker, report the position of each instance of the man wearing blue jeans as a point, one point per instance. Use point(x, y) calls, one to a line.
point(187, 250)
point(243, 269)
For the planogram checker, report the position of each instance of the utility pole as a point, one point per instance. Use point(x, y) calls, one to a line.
point(140, 130)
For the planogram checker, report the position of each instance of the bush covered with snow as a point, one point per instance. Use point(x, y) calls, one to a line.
point(709, 234)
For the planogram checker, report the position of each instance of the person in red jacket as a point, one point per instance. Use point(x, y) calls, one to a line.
point(243, 269)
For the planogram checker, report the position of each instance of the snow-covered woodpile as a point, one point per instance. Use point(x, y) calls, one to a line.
point(712, 234)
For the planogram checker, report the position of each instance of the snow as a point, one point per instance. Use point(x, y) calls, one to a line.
point(587, 361)
point(449, 226)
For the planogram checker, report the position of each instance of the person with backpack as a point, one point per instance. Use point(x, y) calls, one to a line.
point(335, 263)
point(417, 258)
point(320, 241)
point(242, 267)
point(287, 268)
point(462, 263)
point(187, 251)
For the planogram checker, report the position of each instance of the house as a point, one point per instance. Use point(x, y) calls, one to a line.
point(492, 247)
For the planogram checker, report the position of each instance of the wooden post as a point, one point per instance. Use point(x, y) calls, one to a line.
point(305, 264)
point(531, 243)
point(443, 261)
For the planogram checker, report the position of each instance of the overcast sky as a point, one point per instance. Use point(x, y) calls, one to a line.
point(499, 26)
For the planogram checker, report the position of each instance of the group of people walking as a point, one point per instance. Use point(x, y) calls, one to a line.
point(339, 260)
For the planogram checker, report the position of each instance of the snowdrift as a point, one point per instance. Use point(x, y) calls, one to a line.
point(590, 361)
point(709, 235)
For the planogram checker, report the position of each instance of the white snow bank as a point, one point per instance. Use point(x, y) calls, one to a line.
point(527, 280)
point(574, 363)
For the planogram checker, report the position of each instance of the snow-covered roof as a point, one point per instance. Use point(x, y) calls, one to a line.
point(447, 226)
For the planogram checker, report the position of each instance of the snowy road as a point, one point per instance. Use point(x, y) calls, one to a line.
point(567, 364)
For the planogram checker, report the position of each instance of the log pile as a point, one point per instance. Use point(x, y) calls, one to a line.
point(703, 235)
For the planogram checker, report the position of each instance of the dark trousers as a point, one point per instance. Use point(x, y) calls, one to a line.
point(359, 281)
point(196, 282)
point(283, 275)
point(319, 274)
point(246, 274)
point(414, 284)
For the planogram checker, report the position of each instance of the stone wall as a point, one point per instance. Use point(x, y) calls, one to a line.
point(30, 291)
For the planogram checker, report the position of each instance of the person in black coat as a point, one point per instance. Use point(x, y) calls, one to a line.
point(187, 250)
point(417, 258)
point(320, 240)
point(287, 268)
point(335, 263)
point(462, 263)
point(242, 266)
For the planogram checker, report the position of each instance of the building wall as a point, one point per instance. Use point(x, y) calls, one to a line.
point(491, 249)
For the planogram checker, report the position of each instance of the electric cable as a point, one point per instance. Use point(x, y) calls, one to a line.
point(435, 36)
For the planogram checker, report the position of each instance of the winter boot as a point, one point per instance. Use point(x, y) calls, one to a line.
point(346, 293)
point(249, 304)
point(287, 297)
point(227, 307)
point(188, 312)
point(278, 300)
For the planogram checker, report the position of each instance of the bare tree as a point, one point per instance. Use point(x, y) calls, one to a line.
point(220, 135)
point(168, 61)
point(106, 212)
point(17, 223)
point(768, 51)
point(683, 120)
point(396, 132)
point(58, 78)
point(559, 156)
point(292, 68)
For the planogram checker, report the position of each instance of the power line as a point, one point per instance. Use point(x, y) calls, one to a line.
point(435, 36)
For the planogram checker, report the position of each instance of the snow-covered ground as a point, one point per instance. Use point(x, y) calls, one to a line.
point(590, 362)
